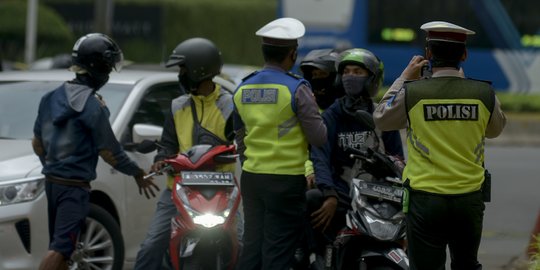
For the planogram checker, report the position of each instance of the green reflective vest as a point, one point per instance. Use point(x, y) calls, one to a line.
point(275, 142)
point(448, 117)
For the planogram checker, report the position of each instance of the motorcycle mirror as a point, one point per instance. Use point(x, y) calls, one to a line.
point(365, 118)
point(146, 146)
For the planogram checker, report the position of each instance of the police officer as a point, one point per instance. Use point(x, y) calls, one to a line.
point(71, 131)
point(276, 118)
point(448, 118)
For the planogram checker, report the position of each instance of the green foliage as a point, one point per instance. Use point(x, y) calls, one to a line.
point(534, 261)
point(139, 49)
point(512, 102)
point(53, 35)
point(231, 25)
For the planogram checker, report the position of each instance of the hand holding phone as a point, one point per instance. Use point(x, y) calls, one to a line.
point(414, 69)
point(425, 72)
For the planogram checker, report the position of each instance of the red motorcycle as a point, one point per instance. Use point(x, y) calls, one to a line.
point(204, 233)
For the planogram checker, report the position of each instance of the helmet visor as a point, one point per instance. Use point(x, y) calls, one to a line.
point(175, 60)
point(118, 61)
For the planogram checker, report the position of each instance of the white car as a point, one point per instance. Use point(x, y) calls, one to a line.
point(119, 215)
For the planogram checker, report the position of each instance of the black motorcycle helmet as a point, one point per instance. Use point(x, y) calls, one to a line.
point(323, 59)
point(201, 59)
point(98, 54)
point(325, 89)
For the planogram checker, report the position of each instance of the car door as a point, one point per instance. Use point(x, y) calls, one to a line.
point(152, 109)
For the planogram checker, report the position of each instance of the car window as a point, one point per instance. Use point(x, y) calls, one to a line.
point(19, 103)
point(154, 107)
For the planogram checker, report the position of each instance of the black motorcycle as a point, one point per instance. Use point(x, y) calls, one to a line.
point(375, 234)
point(374, 237)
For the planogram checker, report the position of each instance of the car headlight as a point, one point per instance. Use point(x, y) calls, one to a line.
point(21, 190)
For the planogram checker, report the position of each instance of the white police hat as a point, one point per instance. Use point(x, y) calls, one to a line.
point(445, 31)
point(282, 32)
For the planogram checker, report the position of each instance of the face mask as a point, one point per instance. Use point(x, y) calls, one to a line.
point(94, 81)
point(322, 89)
point(354, 85)
point(100, 80)
point(187, 84)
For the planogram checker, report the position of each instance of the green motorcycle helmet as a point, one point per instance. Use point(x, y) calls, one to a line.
point(367, 60)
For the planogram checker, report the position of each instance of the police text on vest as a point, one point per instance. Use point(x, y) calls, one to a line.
point(435, 112)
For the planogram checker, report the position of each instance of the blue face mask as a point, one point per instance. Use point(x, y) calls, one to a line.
point(354, 85)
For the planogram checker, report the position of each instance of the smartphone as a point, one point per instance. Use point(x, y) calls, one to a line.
point(425, 72)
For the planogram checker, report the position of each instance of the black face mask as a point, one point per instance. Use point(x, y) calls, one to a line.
point(188, 85)
point(354, 85)
point(94, 81)
point(324, 91)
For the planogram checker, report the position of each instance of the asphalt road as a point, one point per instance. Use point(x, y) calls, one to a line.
point(511, 215)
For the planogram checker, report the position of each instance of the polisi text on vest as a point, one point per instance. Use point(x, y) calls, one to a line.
point(435, 112)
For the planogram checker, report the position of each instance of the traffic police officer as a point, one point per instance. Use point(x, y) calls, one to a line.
point(276, 117)
point(448, 118)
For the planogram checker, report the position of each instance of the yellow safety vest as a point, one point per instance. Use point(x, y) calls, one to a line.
point(446, 134)
point(275, 142)
point(212, 111)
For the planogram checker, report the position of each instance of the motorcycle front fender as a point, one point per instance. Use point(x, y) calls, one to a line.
point(395, 255)
point(191, 243)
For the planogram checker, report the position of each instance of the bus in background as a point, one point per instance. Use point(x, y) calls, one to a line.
point(505, 49)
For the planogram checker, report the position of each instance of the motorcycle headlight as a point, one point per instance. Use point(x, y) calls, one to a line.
point(381, 229)
point(208, 220)
point(21, 190)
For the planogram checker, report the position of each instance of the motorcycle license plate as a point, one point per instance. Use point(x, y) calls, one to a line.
point(380, 191)
point(198, 178)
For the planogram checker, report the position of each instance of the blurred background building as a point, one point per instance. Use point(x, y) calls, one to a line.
point(505, 49)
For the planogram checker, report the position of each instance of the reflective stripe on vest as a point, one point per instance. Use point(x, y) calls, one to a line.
point(445, 138)
point(275, 142)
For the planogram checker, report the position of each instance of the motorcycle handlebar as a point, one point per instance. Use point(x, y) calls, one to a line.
point(362, 154)
point(226, 158)
point(164, 169)
point(150, 175)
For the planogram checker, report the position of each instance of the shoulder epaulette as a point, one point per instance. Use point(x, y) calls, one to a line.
point(296, 76)
point(410, 81)
point(250, 75)
point(484, 81)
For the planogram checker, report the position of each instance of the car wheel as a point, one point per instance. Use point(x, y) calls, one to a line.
point(100, 244)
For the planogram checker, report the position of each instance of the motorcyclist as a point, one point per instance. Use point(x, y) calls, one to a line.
point(201, 116)
point(361, 73)
point(318, 68)
point(71, 131)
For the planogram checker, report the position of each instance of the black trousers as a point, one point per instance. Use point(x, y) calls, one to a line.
point(437, 221)
point(274, 210)
point(315, 239)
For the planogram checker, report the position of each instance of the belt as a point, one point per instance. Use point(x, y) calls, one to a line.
point(67, 182)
